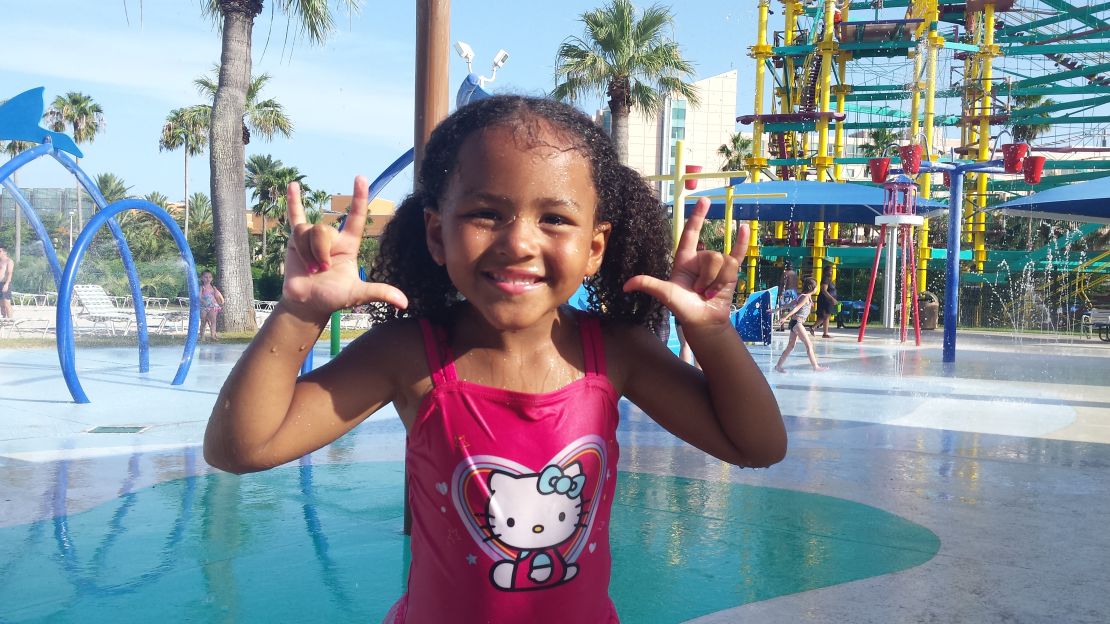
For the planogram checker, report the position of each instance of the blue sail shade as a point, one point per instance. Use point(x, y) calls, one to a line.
point(1083, 201)
point(806, 201)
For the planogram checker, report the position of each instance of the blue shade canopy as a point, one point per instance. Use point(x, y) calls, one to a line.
point(1083, 201)
point(806, 201)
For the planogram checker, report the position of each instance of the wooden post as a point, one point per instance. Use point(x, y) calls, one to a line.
point(433, 42)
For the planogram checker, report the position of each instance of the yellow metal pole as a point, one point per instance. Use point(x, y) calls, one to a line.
point(753, 259)
point(728, 219)
point(987, 52)
point(678, 211)
point(841, 90)
point(761, 52)
point(827, 49)
point(933, 45)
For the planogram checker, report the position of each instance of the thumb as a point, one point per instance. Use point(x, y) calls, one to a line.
point(649, 285)
point(369, 292)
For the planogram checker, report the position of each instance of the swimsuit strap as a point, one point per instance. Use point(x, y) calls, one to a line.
point(593, 347)
point(441, 361)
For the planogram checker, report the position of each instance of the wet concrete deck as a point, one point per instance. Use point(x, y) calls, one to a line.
point(912, 492)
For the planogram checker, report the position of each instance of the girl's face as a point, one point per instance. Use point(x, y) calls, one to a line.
point(206, 278)
point(516, 226)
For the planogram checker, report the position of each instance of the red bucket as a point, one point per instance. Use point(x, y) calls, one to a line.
point(911, 158)
point(1012, 154)
point(1032, 168)
point(692, 184)
point(879, 168)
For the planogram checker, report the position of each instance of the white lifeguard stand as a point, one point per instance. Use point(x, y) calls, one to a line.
point(898, 221)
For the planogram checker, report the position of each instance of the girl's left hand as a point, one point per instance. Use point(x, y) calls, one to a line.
point(702, 283)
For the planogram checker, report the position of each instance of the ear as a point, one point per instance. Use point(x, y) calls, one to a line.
point(598, 244)
point(573, 470)
point(433, 235)
point(499, 480)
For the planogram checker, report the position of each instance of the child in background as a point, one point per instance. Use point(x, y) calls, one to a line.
point(509, 397)
point(797, 316)
point(211, 301)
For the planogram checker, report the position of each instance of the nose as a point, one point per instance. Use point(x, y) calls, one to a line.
point(538, 528)
point(520, 238)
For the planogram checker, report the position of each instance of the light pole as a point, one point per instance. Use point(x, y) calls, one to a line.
point(71, 230)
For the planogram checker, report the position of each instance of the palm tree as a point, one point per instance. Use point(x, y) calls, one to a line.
point(112, 187)
point(83, 117)
point(235, 19)
point(632, 60)
point(13, 149)
point(201, 215)
point(317, 200)
point(735, 151)
point(187, 128)
point(266, 117)
point(881, 139)
point(1026, 133)
point(268, 179)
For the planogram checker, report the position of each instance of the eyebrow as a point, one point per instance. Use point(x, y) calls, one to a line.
point(546, 202)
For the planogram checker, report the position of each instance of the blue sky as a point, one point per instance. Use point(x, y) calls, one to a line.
point(351, 99)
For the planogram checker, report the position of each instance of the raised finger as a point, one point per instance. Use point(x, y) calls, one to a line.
point(743, 239)
point(294, 207)
point(356, 216)
point(319, 244)
point(709, 265)
point(726, 277)
point(688, 242)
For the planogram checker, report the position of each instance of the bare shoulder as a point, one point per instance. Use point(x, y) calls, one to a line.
point(394, 350)
point(629, 350)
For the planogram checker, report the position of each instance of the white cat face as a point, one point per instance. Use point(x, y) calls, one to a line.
point(523, 517)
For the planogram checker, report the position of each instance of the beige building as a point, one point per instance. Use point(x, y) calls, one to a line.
point(380, 212)
point(703, 128)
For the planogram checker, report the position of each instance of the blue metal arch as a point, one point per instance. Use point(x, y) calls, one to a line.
point(6, 170)
point(125, 255)
point(66, 355)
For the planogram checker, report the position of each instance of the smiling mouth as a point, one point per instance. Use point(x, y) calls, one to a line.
point(514, 283)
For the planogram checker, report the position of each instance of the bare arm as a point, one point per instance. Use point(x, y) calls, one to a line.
point(264, 415)
point(802, 298)
point(219, 295)
point(729, 410)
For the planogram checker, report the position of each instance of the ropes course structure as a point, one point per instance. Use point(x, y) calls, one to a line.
point(959, 79)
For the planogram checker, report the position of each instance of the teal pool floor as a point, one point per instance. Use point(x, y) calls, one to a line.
point(912, 492)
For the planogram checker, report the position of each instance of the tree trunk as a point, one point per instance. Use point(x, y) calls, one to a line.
point(78, 185)
point(229, 202)
point(186, 192)
point(619, 108)
point(18, 223)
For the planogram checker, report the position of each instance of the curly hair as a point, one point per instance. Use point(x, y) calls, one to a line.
point(639, 241)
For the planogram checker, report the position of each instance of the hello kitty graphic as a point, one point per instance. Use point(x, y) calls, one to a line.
point(532, 514)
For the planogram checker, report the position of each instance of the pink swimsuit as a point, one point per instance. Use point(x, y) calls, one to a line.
point(510, 496)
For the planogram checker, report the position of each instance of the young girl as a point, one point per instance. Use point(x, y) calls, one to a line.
point(211, 300)
point(509, 397)
point(797, 316)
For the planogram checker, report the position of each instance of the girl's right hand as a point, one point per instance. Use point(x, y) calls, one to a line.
point(321, 263)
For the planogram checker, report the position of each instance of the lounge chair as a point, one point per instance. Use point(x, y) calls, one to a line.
point(97, 306)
